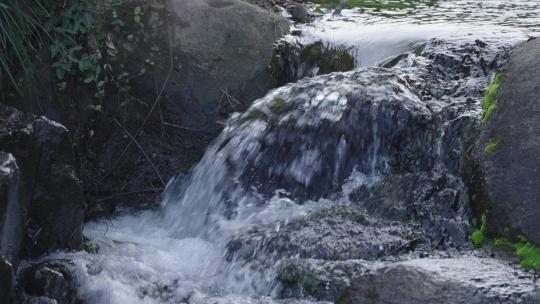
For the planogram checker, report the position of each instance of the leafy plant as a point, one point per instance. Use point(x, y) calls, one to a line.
point(22, 34)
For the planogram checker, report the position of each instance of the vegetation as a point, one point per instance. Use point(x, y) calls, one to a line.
point(22, 35)
point(489, 104)
point(76, 42)
point(492, 146)
point(529, 253)
point(479, 235)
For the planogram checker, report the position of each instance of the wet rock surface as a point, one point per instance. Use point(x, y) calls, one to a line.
point(48, 282)
point(333, 234)
point(294, 60)
point(429, 280)
point(49, 190)
point(506, 187)
point(12, 217)
point(7, 280)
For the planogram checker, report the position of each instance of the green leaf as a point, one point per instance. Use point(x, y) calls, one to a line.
point(137, 19)
point(60, 73)
point(62, 86)
point(89, 79)
point(137, 10)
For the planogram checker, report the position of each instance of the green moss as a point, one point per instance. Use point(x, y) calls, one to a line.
point(479, 235)
point(252, 116)
point(489, 104)
point(531, 257)
point(478, 238)
point(529, 253)
point(91, 246)
point(278, 105)
point(492, 146)
point(292, 276)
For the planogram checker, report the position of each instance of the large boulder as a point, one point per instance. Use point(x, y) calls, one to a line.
point(50, 192)
point(212, 55)
point(506, 185)
point(203, 60)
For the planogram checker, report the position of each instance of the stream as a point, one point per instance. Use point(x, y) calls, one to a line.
point(349, 170)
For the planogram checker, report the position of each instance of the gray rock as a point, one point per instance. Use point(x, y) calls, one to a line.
point(11, 213)
point(48, 282)
point(298, 13)
point(418, 281)
point(7, 281)
point(198, 298)
point(294, 60)
point(334, 234)
point(221, 53)
point(49, 190)
point(507, 185)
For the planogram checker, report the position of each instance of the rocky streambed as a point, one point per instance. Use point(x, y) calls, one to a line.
point(350, 183)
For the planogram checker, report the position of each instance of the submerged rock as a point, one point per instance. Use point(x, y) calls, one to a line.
point(416, 281)
point(506, 187)
point(294, 60)
point(334, 234)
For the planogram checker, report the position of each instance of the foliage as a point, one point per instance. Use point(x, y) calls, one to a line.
point(83, 51)
point(21, 36)
point(492, 146)
point(489, 104)
point(479, 235)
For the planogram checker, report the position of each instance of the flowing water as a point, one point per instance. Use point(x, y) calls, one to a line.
point(314, 145)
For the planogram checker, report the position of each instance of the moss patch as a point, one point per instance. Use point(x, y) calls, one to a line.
point(252, 116)
point(489, 104)
point(279, 103)
point(479, 235)
point(492, 146)
point(529, 253)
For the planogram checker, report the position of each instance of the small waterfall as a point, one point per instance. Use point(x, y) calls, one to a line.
point(373, 139)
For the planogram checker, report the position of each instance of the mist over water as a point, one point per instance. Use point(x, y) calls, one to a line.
point(179, 253)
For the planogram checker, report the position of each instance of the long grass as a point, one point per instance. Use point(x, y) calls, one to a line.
point(22, 34)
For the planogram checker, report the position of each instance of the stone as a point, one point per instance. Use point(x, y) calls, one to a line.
point(506, 185)
point(465, 279)
point(298, 13)
point(7, 281)
point(209, 58)
point(48, 282)
point(50, 192)
point(11, 213)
